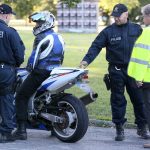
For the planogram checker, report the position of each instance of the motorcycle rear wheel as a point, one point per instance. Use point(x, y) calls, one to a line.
point(75, 122)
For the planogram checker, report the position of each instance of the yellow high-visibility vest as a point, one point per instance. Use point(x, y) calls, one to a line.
point(139, 65)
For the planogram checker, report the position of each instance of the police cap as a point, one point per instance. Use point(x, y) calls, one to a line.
point(118, 10)
point(6, 9)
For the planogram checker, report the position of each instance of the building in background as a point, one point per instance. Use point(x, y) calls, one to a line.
point(82, 18)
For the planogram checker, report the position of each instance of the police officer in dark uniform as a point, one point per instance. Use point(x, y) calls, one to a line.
point(119, 39)
point(11, 56)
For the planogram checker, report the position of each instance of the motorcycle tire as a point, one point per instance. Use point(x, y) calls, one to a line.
point(75, 109)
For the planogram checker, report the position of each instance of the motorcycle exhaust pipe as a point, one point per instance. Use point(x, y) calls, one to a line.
point(89, 98)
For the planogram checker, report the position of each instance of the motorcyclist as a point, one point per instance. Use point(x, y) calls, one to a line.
point(48, 52)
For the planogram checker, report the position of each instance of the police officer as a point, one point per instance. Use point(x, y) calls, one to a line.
point(11, 56)
point(119, 39)
point(139, 65)
point(48, 52)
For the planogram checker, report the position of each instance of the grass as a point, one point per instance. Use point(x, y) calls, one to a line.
point(76, 46)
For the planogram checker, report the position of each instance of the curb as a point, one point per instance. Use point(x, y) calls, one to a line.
point(108, 124)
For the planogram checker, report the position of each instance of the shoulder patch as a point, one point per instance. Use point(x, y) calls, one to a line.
point(1, 34)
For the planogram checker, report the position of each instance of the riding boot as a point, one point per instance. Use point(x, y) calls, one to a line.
point(119, 133)
point(6, 137)
point(20, 133)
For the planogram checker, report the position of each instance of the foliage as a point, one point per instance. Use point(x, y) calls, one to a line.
point(46, 5)
point(23, 8)
point(144, 2)
point(136, 12)
point(70, 3)
point(107, 5)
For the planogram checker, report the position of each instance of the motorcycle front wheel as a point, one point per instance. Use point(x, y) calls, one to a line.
point(75, 120)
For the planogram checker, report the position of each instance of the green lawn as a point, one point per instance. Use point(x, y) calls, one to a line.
point(76, 46)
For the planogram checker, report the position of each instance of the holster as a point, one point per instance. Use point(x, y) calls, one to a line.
point(106, 80)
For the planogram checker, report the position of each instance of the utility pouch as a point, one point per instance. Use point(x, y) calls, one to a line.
point(106, 79)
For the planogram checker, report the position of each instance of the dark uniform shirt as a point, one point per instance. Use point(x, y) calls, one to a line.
point(118, 40)
point(11, 46)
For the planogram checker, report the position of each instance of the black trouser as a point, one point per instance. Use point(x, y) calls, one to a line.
point(120, 80)
point(7, 79)
point(27, 89)
point(146, 98)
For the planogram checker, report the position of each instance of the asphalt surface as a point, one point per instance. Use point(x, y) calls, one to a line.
point(96, 138)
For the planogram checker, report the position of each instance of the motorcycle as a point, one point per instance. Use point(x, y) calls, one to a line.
point(53, 109)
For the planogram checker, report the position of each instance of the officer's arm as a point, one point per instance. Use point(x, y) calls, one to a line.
point(17, 47)
point(96, 47)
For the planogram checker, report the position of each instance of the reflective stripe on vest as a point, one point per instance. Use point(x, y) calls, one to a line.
point(139, 65)
point(144, 46)
point(139, 61)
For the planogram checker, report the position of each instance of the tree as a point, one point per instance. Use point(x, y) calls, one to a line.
point(135, 13)
point(23, 8)
point(47, 5)
point(107, 5)
point(144, 2)
point(70, 3)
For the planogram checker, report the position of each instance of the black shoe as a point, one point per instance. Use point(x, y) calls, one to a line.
point(17, 135)
point(6, 138)
point(142, 132)
point(20, 133)
point(119, 133)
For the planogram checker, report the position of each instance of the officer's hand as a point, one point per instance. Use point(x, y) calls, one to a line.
point(83, 64)
point(139, 83)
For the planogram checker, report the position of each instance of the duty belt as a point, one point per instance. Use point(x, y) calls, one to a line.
point(119, 66)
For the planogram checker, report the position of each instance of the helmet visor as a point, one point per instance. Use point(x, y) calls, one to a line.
point(37, 17)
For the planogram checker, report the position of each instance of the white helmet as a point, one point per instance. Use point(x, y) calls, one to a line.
point(44, 20)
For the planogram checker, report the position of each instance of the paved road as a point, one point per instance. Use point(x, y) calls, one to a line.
point(96, 138)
